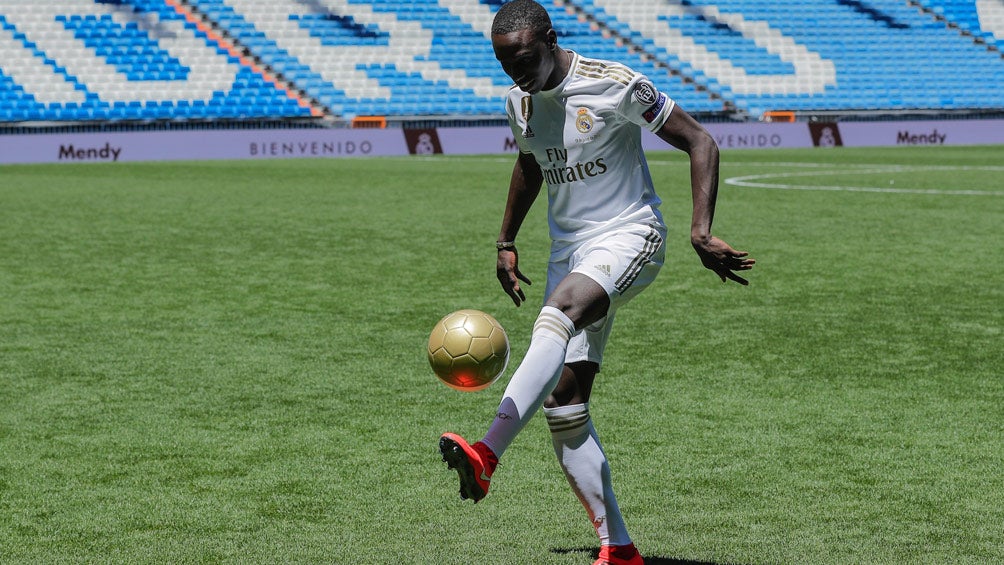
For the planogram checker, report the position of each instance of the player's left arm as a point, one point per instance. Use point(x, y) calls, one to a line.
point(682, 131)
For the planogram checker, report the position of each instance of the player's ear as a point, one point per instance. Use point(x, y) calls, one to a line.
point(551, 39)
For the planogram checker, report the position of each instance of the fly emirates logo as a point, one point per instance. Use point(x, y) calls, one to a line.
point(560, 171)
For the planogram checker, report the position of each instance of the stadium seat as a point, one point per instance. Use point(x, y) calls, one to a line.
point(91, 60)
point(703, 33)
point(75, 60)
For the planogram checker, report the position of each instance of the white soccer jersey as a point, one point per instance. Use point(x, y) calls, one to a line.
point(586, 136)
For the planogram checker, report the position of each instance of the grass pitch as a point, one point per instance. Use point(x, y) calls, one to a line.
point(224, 362)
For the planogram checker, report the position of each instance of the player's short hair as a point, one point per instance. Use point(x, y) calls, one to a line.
point(519, 15)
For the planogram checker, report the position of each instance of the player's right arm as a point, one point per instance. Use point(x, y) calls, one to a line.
point(524, 186)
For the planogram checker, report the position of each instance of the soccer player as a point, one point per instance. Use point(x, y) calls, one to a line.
point(578, 123)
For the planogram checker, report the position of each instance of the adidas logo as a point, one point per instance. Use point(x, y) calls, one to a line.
point(605, 269)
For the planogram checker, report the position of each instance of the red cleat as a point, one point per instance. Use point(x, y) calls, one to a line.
point(474, 464)
point(619, 555)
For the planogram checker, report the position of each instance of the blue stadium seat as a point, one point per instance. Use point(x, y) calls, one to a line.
point(423, 57)
point(126, 42)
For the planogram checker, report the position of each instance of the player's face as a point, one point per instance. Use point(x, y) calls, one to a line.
point(528, 58)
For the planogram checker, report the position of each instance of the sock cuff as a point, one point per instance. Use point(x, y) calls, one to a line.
point(565, 419)
point(553, 323)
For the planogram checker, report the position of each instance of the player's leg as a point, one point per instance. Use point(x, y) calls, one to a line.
point(576, 301)
point(580, 453)
point(587, 469)
point(624, 266)
point(612, 268)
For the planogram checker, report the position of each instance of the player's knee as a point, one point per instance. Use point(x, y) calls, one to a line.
point(582, 313)
point(580, 298)
point(560, 398)
point(574, 385)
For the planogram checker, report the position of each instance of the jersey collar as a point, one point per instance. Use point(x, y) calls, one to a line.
point(568, 77)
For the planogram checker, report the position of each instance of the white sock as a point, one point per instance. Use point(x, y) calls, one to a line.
point(534, 379)
point(581, 457)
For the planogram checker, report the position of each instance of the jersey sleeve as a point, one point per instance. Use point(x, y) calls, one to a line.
point(642, 103)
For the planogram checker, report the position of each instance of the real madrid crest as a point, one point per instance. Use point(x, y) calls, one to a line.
point(583, 121)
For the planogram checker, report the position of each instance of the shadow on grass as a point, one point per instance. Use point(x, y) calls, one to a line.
point(595, 553)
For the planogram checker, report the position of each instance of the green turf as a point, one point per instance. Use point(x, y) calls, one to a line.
point(224, 362)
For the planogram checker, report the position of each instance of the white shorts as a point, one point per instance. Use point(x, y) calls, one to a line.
point(623, 262)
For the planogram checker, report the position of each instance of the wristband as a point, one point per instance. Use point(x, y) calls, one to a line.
point(500, 245)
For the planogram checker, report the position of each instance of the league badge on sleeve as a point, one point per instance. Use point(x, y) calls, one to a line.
point(645, 93)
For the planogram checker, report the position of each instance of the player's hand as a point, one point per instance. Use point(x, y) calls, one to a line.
point(721, 258)
point(507, 270)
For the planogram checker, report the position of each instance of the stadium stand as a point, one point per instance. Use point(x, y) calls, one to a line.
point(982, 19)
point(195, 60)
point(123, 60)
point(814, 54)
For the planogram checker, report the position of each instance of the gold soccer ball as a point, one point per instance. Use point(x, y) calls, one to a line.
point(468, 350)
